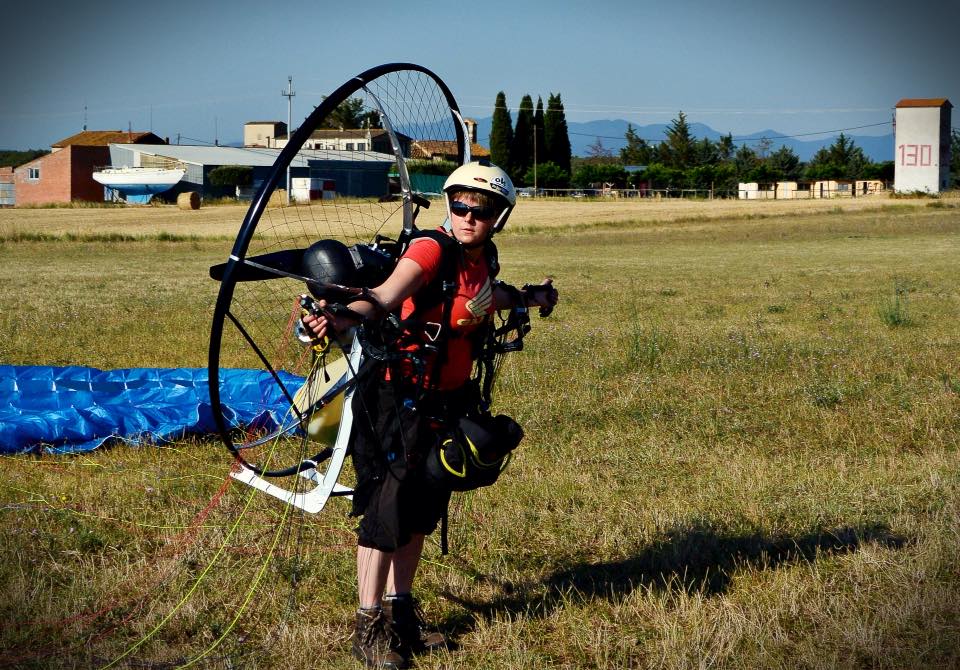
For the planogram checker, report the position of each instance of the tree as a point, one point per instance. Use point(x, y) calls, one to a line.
point(660, 176)
point(539, 142)
point(841, 160)
point(785, 163)
point(763, 147)
point(841, 151)
point(231, 176)
point(744, 161)
point(637, 151)
point(555, 134)
point(725, 147)
point(521, 151)
point(549, 175)
point(598, 153)
point(725, 177)
point(350, 115)
point(595, 175)
point(677, 150)
point(883, 171)
point(705, 153)
point(426, 166)
point(501, 133)
point(14, 158)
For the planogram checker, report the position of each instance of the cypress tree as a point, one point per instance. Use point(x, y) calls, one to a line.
point(521, 151)
point(555, 133)
point(540, 143)
point(501, 133)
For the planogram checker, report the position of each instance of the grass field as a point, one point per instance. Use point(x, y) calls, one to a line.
point(742, 427)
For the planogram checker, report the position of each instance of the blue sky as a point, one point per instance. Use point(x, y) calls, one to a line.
point(201, 69)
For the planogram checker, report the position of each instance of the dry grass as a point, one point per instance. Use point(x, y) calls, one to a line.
point(734, 458)
point(224, 220)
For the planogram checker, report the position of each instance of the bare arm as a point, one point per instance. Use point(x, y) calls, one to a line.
point(405, 280)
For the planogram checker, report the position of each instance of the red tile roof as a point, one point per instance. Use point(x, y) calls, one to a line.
point(923, 102)
point(430, 148)
point(101, 138)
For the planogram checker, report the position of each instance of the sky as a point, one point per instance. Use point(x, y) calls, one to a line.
point(199, 70)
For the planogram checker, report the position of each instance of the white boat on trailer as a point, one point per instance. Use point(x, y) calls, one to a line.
point(139, 184)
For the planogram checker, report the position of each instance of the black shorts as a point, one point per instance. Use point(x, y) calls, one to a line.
point(390, 442)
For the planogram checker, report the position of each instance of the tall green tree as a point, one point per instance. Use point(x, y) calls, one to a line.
point(841, 160)
point(705, 153)
point(785, 163)
point(501, 133)
point(521, 151)
point(842, 150)
point(725, 147)
point(637, 151)
point(555, 133)
point(539, 142)
point(744, 161)
point(677, 151)
point(350, 115)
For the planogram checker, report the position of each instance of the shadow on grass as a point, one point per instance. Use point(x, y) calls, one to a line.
point(692, 559)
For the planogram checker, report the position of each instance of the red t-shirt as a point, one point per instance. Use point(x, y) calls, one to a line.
point(472, 303)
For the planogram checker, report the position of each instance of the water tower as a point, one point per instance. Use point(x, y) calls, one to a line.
point(922, 158)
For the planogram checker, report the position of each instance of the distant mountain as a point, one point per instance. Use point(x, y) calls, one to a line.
point(611, 133)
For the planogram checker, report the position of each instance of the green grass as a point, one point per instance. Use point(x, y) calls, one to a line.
point(736, 457)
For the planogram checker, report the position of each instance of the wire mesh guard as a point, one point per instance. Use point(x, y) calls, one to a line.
point(354, 167)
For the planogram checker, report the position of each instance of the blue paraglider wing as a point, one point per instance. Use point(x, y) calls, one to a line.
point(74, 409)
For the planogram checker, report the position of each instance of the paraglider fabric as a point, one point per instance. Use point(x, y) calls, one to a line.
point(76, 409)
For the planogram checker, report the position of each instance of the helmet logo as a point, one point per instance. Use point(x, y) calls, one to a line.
point(499, 184)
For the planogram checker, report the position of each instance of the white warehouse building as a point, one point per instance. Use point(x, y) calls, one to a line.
point(922, 159)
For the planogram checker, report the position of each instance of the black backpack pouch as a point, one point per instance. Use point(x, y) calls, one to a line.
point(474, 453)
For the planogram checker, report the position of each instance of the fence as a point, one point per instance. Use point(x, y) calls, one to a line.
point(617, 193)
point(699, 194)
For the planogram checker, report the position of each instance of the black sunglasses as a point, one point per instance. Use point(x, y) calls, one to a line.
point(479, 212)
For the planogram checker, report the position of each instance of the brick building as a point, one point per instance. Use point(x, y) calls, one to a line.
point(66, 174)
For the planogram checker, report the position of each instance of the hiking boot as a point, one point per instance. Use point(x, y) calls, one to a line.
point(406, 619)
point(374, 642)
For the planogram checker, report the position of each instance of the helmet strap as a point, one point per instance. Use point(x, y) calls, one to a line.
point(501, 220)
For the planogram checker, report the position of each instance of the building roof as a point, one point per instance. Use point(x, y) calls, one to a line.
point(924, 102)
point(102, 138)
point(252, 156)
point(429, 148)
point(261, 123)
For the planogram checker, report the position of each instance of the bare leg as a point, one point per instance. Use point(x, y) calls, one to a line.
point(372, 568)
point(403, 567)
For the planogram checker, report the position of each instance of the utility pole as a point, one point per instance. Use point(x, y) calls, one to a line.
point(288, 94)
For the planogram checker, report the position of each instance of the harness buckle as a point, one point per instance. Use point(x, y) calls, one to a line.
point(426, 330)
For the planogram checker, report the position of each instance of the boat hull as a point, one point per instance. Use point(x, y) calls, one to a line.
point(139, 184)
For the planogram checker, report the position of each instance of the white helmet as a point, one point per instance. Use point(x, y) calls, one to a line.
point(484, 177)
